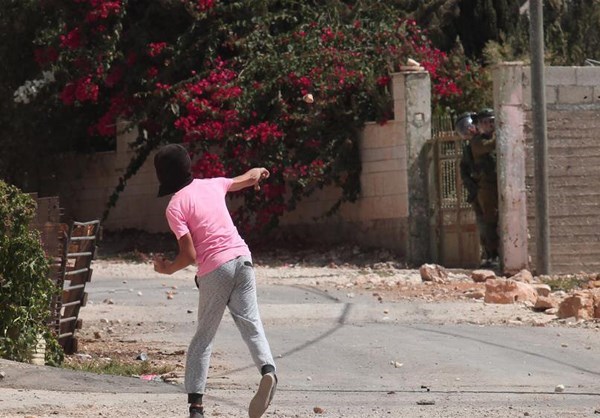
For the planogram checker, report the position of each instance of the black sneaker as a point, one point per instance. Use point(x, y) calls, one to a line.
point(264, 396)
point(196, 412)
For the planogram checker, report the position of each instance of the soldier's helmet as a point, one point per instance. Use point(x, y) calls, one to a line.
point(486, 113)
point(465, 124)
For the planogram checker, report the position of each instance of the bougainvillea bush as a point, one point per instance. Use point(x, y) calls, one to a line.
point(233, 81)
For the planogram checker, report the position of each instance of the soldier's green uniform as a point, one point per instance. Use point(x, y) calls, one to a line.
point(466, 129)
point(483, 147)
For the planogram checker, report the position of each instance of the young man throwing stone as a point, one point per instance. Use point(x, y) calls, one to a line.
point(198, 216)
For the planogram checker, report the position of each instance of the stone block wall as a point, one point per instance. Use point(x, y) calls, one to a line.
point(86, 182)
point(392, 204)
point(573, 133)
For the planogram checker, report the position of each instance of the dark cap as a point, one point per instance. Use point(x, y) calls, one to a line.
point(486, 113)
point(173, 169)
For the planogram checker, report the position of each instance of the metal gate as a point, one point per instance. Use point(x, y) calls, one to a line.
point(455, 241)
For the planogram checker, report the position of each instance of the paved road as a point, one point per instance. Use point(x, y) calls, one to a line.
point(353, 357)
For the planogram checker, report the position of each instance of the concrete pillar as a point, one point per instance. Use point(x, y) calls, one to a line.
point(412, 108)
point(510, 137)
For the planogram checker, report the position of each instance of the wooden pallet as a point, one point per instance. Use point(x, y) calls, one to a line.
point(80, 251)
point(55, 237)
point(71, 250)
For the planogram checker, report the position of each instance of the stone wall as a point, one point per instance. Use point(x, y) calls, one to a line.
point(86, 182)
point(393, 185)
point(573, 122)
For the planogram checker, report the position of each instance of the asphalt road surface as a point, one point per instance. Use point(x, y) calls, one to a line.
point(340, 356)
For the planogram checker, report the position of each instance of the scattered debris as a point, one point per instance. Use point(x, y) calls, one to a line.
point(559, 388)
point(142, 357)
point(151, 377)
point(318, 410)
point(426, 402)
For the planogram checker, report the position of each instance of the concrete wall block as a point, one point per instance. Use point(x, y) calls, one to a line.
point(92, 194)
point(141, 190)
point(588, 76)
point(560, 76)
point(551, 96)
point(386, 233)
point(326, 193)
point(381, 136)
point(384, 184)
point(384, 207)
point(84, 168)
point(384, 166)
point(597, 94)
point(575, 94)
point(382, 154)
point(350, 211)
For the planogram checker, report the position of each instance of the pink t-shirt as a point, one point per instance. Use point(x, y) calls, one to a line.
point(200, 209)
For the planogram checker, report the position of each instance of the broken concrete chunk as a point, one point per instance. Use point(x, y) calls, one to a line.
point(433, 273)
point(523, 276)
point(480, 276)
point(579, 305)
point(545, 302)
point(542, 289)
point(505, 291)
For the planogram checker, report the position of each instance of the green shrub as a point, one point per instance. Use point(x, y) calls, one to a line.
point(25, 288)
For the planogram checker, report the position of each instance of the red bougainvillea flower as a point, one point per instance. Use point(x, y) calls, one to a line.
point(156, 48)
point(102, 9)
point(204, 5)
point(71, 40)
point(209, 165)
point(86, 90)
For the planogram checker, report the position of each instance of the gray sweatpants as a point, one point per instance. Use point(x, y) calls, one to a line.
point(233, 285)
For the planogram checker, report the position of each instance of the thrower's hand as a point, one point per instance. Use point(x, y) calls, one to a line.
point(161, 264)
point(260, 174)
point(250, 178)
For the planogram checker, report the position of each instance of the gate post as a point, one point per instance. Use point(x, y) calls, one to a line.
point(412, 108)
point(510, 146)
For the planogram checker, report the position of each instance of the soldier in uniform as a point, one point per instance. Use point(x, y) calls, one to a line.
point(483, 148)
point(465, 127)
